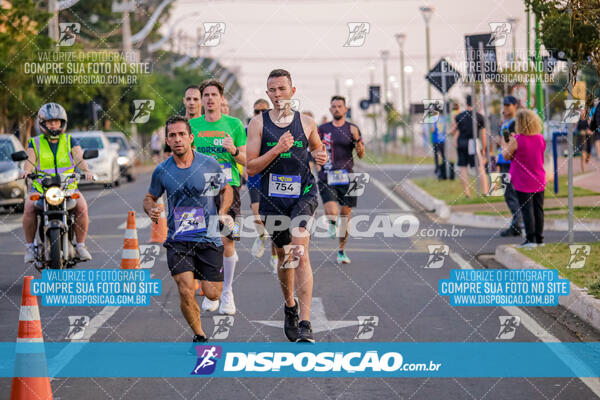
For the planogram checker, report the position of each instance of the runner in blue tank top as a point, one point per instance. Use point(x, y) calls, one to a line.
point(276, 148)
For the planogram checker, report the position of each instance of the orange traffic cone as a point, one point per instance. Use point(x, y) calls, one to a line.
point(131, 251)
point(158, 233)
point(30, 359)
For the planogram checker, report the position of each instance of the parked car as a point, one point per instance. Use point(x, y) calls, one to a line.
point(106, 166)
point(126, 152)
point(13, 191)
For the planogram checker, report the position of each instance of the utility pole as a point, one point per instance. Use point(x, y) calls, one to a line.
point(427, 13)
point(528, 61)
point(539, 91)
point(400, 39)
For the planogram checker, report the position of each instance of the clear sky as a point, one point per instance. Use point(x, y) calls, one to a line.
point(307, 38)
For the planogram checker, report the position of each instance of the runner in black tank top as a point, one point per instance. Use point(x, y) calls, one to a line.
point(341, 138)
point(277, 144)
point(288, 180)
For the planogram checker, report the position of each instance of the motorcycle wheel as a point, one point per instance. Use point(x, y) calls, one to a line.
point(55, 260)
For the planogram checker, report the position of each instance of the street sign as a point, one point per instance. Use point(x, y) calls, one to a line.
point(374, 94)
point(417, 108)
point(364, 104)
point(474, 64)
point(443, 76)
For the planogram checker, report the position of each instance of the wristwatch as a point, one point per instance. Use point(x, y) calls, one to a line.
point(237, 151)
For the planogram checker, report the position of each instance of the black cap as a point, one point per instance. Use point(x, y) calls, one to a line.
point(508, 100)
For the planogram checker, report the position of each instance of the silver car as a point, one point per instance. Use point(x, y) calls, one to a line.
point(106, 166)
point(12, 189)
point(126, 158)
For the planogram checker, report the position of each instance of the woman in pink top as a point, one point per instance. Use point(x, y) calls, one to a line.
point(526, 152)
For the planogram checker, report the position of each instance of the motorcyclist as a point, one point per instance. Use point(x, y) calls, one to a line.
point(54, 151)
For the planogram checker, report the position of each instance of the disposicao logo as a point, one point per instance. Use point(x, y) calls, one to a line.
point(207, 359)
point(317, 362)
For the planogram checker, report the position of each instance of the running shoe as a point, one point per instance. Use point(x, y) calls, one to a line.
point(527, 245)
point(274, 261)
point(227, 306)
point(197, 339)
point(305, 334)
point(342, 258)
point(290, 324)
point(258, 248)
point(209, 305)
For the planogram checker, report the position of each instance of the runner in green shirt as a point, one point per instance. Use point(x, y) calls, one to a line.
point(222, 137)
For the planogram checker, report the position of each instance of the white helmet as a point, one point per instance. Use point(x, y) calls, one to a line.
point(48, 112)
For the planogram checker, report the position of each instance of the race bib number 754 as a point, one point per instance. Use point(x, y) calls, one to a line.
point(284, 185)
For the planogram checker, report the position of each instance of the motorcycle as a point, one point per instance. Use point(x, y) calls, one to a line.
point(56, 220)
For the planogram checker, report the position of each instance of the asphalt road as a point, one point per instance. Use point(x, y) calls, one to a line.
point(387, 279)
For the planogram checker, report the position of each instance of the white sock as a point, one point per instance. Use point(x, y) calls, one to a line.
point(228, 271)
point(29, 245)
point(80, 244)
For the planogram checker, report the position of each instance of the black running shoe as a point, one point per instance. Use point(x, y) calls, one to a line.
point(510, 232)
point(197, 339)
point(290, 325)
point(305, 332)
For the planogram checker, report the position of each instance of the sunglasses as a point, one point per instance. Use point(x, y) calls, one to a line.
point(256, 112)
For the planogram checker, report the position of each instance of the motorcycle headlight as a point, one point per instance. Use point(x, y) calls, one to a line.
point(122, 160)
point(55, 196)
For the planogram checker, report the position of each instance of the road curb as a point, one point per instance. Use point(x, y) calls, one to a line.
point(442, 210)
point(424, 199)
point(579, 302)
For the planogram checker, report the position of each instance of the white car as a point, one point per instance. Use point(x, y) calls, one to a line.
point(106, 166)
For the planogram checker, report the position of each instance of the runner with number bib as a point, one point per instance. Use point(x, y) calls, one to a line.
point(192, 182)
point(277, 142)
point(340, 137)
point(222, 137)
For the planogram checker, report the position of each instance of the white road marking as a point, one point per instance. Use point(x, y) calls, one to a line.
point(141, 222)
point(391, 195)
point(9, 227)
point(536, 329)
point(318, 319)
point(67, 353)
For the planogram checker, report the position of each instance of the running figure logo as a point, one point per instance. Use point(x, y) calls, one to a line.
point(223, 324)
point(214, 183)
point(77, 325)
point(358, 183)
point(500, 32)
point(148, 255)
point(366, 326)
point(213, 31)
point(437, 255)
point(287, 108)
point(357, 33)
point(499, 181)
point(68, 33)
point(579, 254)
point(508, 327)
point(432, 110)
point(207, 359)
point(572, 111)
point(142, 109)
